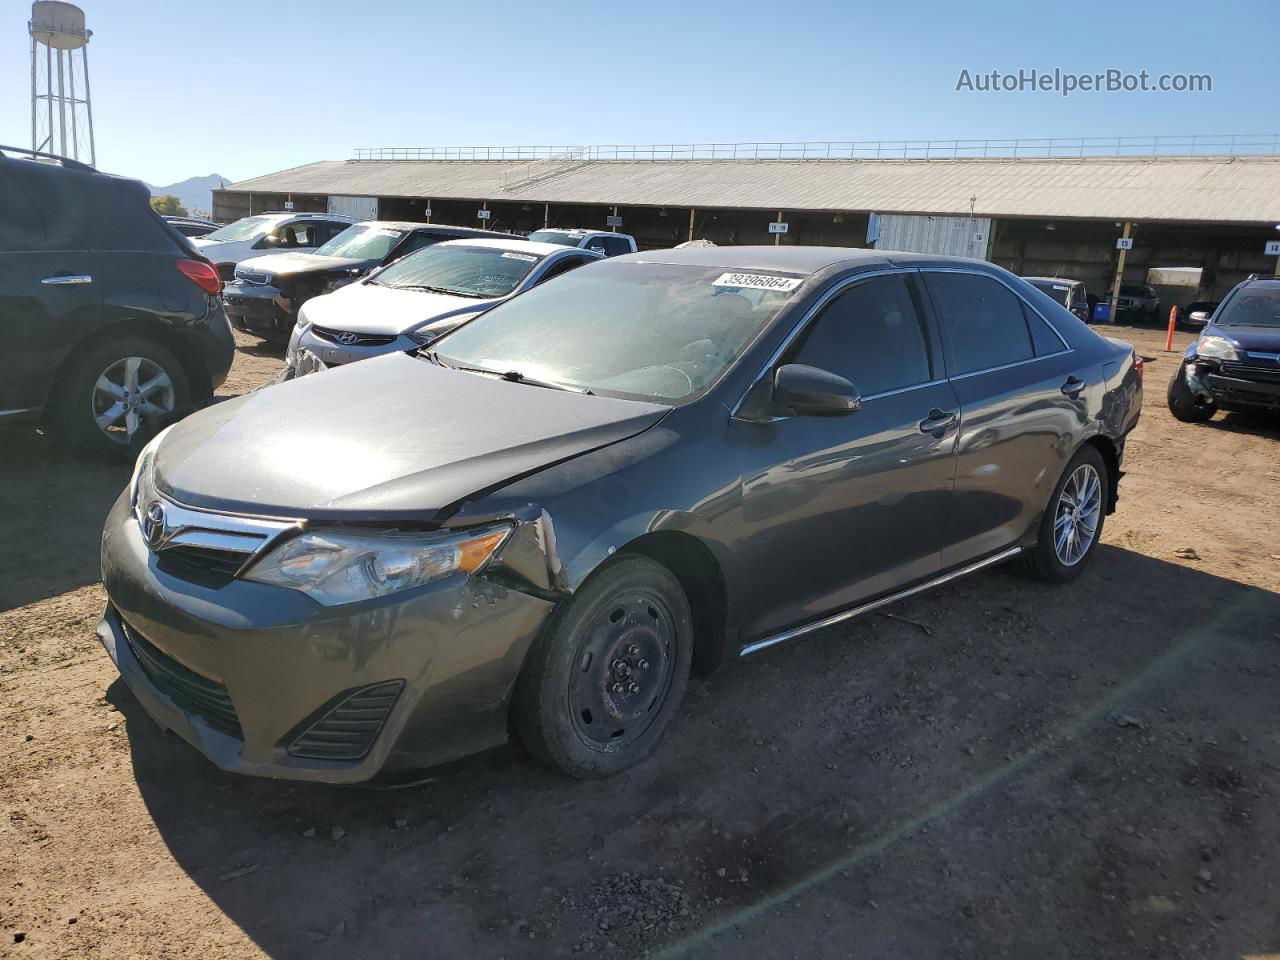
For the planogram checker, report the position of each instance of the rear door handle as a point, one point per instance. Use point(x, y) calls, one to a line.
point(1073, 386)
point(67, 279)
point(938, 421)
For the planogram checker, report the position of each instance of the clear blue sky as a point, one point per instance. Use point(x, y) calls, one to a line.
point(244, 88)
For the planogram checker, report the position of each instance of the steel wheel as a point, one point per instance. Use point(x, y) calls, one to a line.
point(1075, 522)
point(128, 390)
point(623, 671)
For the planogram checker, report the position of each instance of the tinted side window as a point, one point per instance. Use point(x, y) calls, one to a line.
point(563, 266)
point(300, 234)
point(420, 240)
point(616, 246)
point(1043, 338)
point(982, 321)
point(872, 335)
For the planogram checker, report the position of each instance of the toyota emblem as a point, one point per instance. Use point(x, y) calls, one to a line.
point(153, 524)
point(348, 338)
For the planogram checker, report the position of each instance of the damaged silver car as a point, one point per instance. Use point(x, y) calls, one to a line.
point(542, 523)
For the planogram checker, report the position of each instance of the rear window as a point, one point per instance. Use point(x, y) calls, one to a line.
point(66, 209)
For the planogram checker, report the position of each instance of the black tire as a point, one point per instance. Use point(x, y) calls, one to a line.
point(1185, 405)
point(629, 624)
point(1043, 561)
point(80, 401)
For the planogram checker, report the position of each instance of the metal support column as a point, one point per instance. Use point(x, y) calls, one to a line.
point(1114, 312)
point(691, 213)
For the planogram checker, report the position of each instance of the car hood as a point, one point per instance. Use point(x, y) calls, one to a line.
point(394, 437)
point(203, 243)
point(279, 263)
point(1264, 339)
point(369, 308)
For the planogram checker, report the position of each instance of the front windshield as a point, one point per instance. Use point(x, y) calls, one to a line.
point(562, 237)
point(1257, 305)
point(1059, 291)
point(362, 242)
point(465, 271)
point(248, 228)
point(654, 331)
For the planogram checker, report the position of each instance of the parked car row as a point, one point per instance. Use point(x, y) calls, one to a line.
point(266, 293)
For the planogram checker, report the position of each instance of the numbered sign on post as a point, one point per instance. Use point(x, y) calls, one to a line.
point(1124, 243)
point(1273, 248)
point(778, 226)
point(484, 214)
point(614, 222)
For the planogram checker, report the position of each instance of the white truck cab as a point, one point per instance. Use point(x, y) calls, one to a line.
point(601, 241)
point(268, 233)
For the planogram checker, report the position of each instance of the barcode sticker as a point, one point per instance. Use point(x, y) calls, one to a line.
point(519, 256)
point(757, 281)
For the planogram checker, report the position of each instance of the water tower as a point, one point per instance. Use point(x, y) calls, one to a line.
point(61, 115)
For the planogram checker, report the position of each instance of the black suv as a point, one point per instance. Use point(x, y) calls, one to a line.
point(266, 293)
point(112, 323)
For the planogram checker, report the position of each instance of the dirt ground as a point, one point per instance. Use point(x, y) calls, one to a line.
point(996, 769)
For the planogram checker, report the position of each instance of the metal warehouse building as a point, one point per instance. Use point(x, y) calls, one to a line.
point(1190, 203)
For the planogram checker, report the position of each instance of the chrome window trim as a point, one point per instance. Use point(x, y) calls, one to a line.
point(852, 612)
point(16, 410)
point(1009, 366)
point(803, 322)
point(1066, 347)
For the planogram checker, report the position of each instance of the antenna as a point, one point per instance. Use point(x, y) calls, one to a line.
point(61, 118)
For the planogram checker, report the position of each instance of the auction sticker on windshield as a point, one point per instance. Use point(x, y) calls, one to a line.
point(519, 256)
point(757, 281)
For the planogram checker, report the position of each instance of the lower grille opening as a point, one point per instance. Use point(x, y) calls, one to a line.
point(190, 692)
point(203, 565)
point(346, 727)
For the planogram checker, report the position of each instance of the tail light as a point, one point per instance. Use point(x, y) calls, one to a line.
point(202, 273)
point(1139, 366)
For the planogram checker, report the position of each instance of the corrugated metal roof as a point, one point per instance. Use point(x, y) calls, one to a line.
point(1226, 189)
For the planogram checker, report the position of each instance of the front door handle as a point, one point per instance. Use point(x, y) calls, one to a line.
point(1073, 386)
point(938, 421)
point(67, 279)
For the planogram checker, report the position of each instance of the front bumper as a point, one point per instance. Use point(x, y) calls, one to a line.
point(1244, 391)
point(241, 671)
point(262, 309)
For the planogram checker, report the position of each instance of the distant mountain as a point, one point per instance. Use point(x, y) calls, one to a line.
point(196, 193)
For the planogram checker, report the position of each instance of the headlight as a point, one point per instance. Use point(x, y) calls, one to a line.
point(334, 568)
point(435, 329)
point(1217, 348)
point(142, 485)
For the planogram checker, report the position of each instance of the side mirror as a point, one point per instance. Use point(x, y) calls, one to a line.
point(809, 391)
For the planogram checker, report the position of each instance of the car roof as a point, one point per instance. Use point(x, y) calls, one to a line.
point(792, 259)
point(583, 232)
point(1050, 280)
point(518, 244)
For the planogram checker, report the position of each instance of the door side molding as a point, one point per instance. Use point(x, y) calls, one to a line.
point(877, 604)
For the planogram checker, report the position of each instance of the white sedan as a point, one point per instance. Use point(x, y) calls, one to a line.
point(418, 298)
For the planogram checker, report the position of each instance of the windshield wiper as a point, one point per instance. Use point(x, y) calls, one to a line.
point(515, 376)
point(445, 290)
point(511, 376)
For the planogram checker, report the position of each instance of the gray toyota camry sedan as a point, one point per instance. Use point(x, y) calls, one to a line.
point(539, 526)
